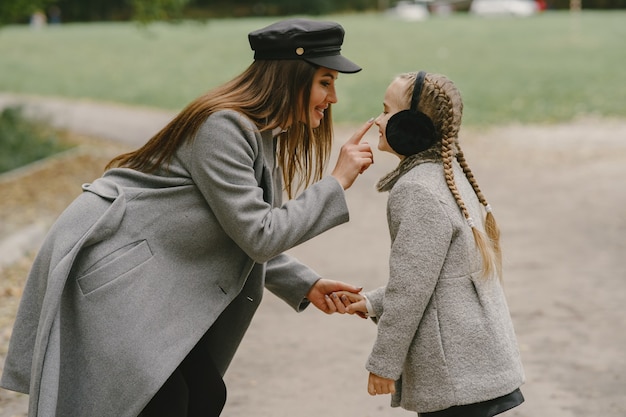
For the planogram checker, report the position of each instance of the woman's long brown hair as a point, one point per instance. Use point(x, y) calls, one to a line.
point(271, 94)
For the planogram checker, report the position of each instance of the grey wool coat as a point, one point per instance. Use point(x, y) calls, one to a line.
point(140, 266)
point(444, 333)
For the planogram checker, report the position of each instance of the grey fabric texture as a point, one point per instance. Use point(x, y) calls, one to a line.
point(444, 333)
point(140, 266)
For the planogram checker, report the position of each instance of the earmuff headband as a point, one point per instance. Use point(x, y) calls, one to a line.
point(411, 131)
point(417, 90)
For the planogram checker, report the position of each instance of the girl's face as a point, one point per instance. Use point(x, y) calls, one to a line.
point(392, 104)
point(322, 94)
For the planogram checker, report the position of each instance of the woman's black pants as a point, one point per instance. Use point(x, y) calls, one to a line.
point(195, 388)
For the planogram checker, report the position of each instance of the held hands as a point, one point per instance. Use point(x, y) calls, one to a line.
point(354, 157)
point(355, 304)
point(327, 295)
point(352, 303)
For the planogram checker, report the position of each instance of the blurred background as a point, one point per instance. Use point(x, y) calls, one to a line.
point(539, 61)
point(20, 11)
point(544, 128)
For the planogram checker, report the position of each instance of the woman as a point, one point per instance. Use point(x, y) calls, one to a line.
point(144, 287)
point(445, 344)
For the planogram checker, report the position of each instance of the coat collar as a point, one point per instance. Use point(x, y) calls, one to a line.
point(387, 182)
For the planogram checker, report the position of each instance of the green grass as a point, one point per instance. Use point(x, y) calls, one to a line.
point(548, 68)
point(24, 140)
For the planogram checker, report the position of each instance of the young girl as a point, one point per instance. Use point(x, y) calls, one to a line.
point(146, 284)
point(445, 344)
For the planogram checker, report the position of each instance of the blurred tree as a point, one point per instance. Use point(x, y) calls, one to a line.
point(146, 11)
point(280, 7)
point(20, 11)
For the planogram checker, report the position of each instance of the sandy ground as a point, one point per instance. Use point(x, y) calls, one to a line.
point(559, 194)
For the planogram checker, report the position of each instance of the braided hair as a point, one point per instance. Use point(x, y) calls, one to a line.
point(441, 101)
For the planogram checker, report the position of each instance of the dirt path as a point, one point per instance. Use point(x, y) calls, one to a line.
point(559, 193)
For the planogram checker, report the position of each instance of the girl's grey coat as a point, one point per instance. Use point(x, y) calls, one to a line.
point(444, 333)
point(139, 266)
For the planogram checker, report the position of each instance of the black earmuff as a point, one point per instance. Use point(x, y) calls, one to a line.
point(410, 131)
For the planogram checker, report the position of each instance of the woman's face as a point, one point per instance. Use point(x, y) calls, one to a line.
point(322, 94)
point(392, 104)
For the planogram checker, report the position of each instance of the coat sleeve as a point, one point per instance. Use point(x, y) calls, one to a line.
point(375, 297)
point(290, 280)
point(223, 161)
point(421, 235)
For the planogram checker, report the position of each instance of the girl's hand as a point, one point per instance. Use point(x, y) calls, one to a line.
point(354, 303)
point(377, 385)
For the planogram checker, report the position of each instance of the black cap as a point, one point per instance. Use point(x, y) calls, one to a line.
point(315, 41)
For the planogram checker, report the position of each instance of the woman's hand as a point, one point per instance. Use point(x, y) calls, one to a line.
point(354, 157)
point(377, 385)
point(322, 295)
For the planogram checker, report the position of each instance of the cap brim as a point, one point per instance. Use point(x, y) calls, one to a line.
point(335, 62)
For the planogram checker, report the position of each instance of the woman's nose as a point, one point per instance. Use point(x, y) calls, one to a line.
point(332, 96)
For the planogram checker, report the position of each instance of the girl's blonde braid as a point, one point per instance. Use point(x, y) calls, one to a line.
point(447, 119)
point(491, 226)
point(445, 114)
